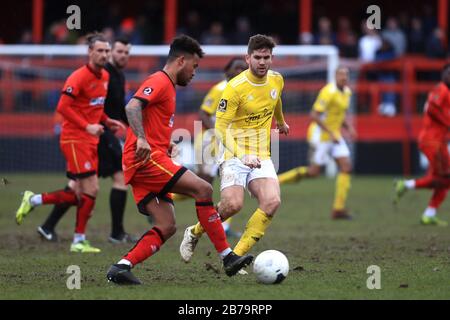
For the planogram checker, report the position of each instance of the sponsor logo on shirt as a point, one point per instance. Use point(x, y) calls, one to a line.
point(97, 101)
point(223, 105)
point(147, 91)
point(252, 117)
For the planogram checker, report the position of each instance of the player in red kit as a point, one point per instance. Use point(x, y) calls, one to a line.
point(433, 143)
point(148, 166)
point(81, 106)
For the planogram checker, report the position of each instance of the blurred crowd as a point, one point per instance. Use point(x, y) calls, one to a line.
point(399, 35)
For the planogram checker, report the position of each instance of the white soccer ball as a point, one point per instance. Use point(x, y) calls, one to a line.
point(271, 266)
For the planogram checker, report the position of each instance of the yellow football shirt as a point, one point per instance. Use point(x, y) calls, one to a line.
point(209, 105)
point(212, 98)
point(333, 104)
point(245, 111)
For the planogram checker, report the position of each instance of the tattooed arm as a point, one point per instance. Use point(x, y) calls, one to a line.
point(134, 114)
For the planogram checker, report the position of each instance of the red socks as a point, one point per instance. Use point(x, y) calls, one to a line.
point(437, 198)
point(84, 210)
point(60, 197)
point(148, 245)
point(432, 182)
point(212, 223)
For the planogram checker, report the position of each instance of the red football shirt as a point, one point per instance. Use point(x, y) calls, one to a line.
point(158, 96)
point(437, 115)
point(82, 103)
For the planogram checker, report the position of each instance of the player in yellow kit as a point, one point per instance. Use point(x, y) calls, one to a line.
point(243, 123)
point(329, 115)
point(207, 168)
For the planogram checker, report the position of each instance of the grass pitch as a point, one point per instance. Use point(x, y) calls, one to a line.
point(328, 259)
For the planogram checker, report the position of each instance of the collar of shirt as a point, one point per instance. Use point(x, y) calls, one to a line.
point(250, 76)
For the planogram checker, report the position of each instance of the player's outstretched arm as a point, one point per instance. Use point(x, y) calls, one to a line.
point(134, 114)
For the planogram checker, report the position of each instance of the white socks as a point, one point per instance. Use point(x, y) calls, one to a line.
point(430, 212)
point(36, 200)
point(225, 252)
point(410, 184)
point(125, 261)
point(78, 237)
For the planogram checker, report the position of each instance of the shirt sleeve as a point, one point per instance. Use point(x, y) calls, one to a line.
point(322, 101)
point(226, 111)
point(279, 106)
point(65, 109)
point(210, 102)
point(71, 91)
point(72, 86)
point(149, 93)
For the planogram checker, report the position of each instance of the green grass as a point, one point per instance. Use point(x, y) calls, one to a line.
point(328, 259)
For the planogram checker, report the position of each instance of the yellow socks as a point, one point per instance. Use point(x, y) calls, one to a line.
point(254, 231)
point(342, 187)
point(293, 175)
point(198, 229)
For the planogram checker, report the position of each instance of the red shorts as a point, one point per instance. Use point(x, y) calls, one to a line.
point(81, 159)
point(438, 157)
point(153, 179)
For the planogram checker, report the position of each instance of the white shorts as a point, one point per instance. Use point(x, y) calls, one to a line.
point(234, 173)
point(328, 148)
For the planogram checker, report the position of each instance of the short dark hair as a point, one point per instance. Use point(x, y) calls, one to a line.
point(122, 40)
point(183, 44)
point(94, 37)
point(231, 62)
point(260, 41)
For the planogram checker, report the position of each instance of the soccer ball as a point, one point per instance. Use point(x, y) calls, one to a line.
point(271, 266)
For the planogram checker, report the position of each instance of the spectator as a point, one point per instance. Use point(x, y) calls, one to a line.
point(395, 36)
point(388, 104)
point(429, 19)
point(108, 32)
point(325, 34)
point(192, 26)
point(26, 37)
point(214, 36)
point(57, 33)
point(346, 38)
point(306, 38)
point(368, 44)
point(416, 39)
point(435, 45)
point(243, 31)
point(129, 31)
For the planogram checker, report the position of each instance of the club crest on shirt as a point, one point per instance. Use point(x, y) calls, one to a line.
point(273, 93)
point(171, 121)
point(147, 91)
point(87, 165)
point(222, 105)
point(69, 89)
